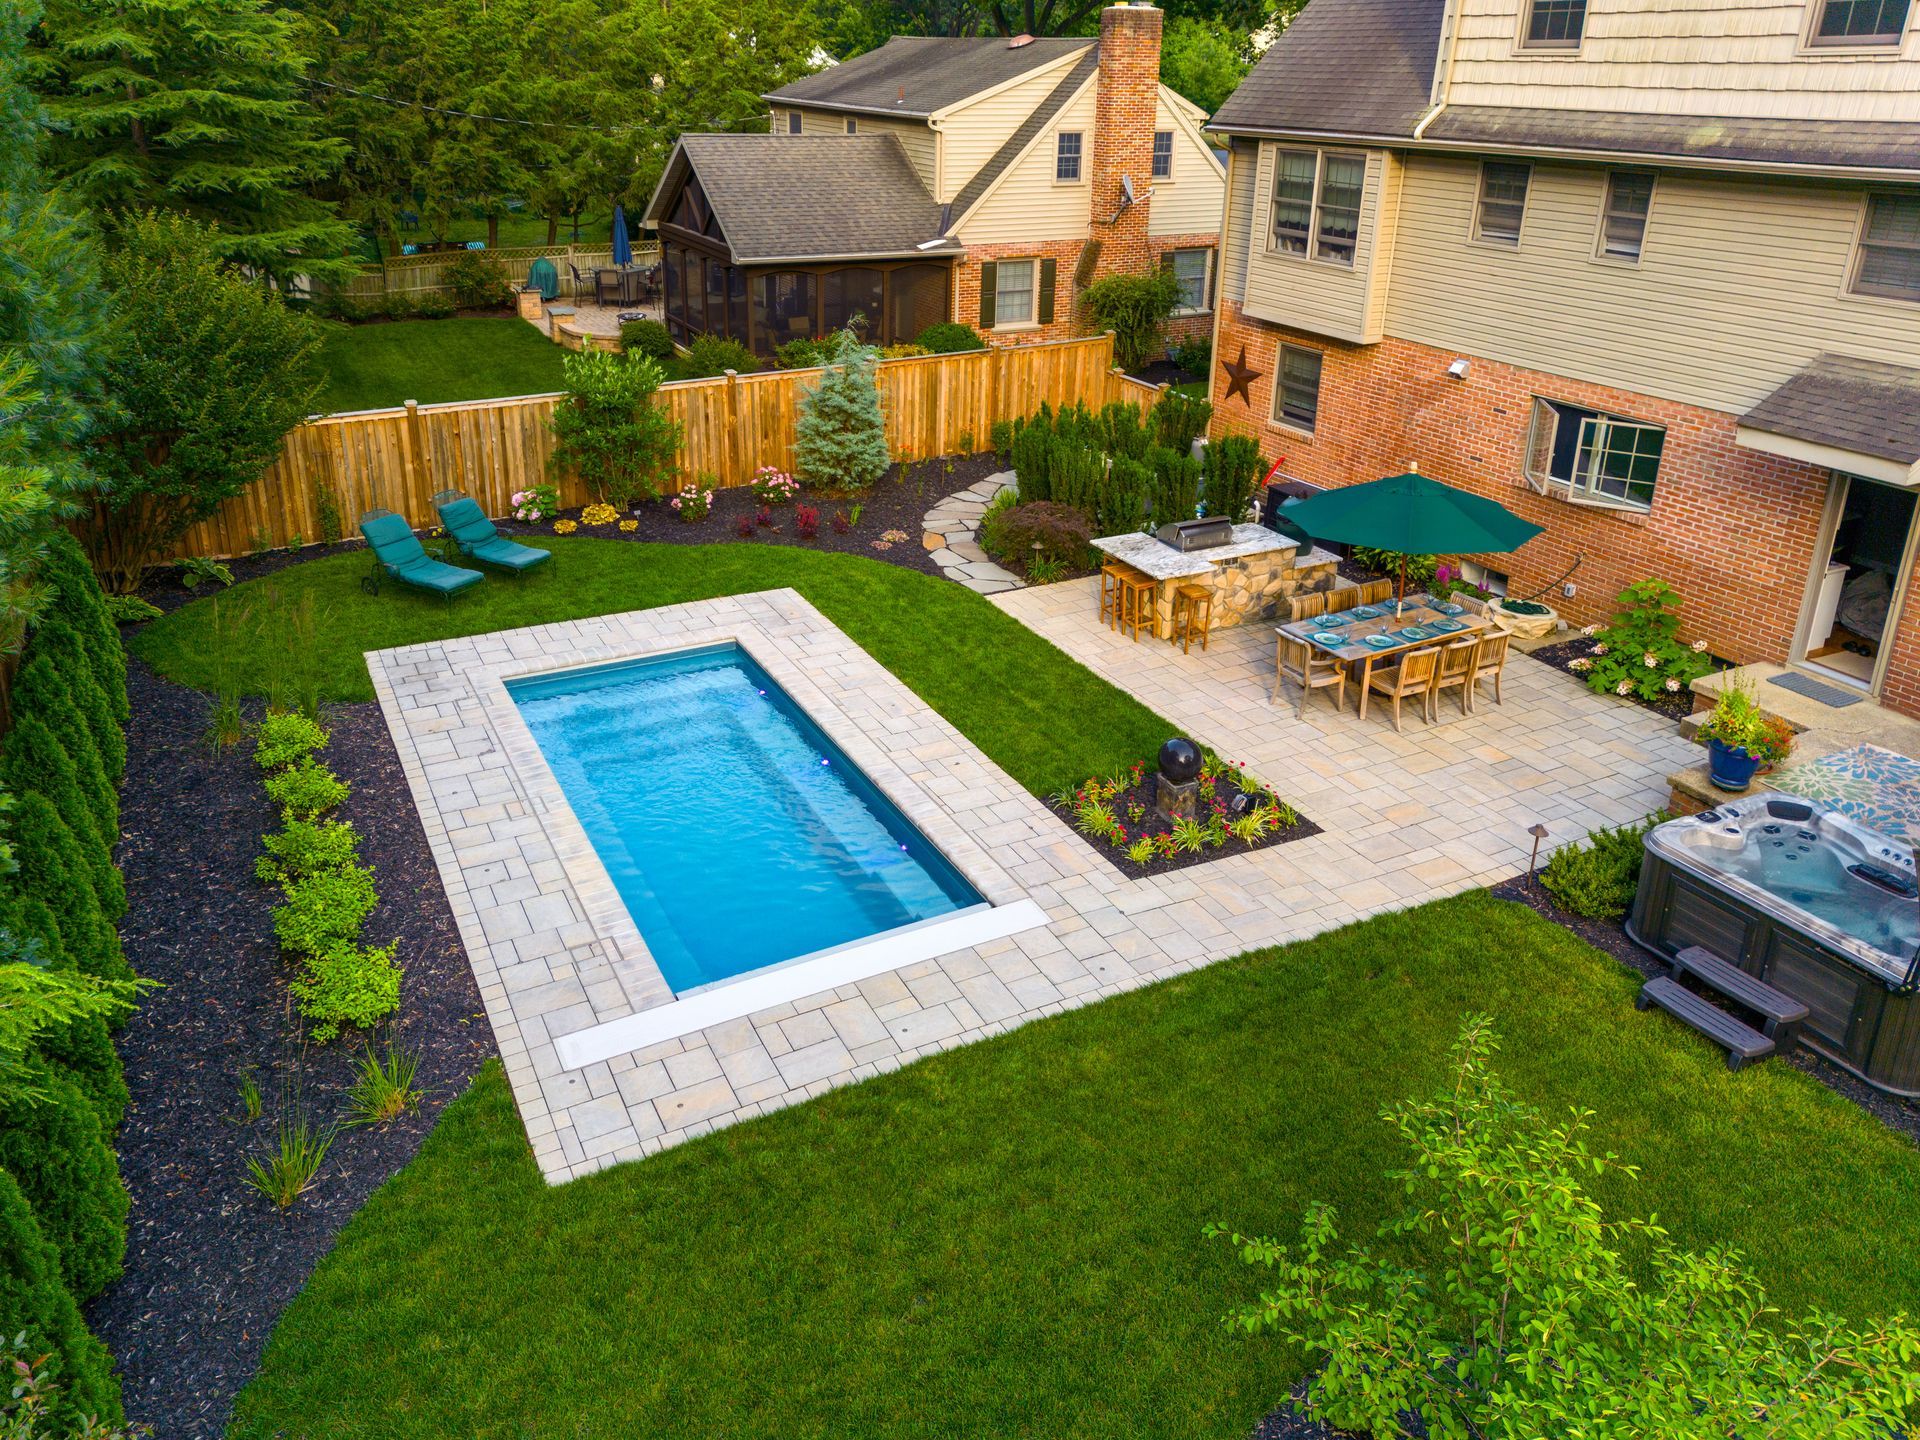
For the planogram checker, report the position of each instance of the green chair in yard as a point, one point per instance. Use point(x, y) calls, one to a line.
point(397, 552)
point(470, 529)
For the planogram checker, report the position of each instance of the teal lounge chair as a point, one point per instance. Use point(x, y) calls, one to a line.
point(467, 523)
point(397, 552)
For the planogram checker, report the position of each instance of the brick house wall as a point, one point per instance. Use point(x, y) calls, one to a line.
point(966, 288)
point(1198, 326)
point(1902, 688)
point(1732, 529)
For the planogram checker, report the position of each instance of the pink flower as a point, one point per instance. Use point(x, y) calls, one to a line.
point(1651, 660)
point(1599, 650)
point(1579, 664)
point(1589, 631)
point(1623, 687)
point(1699, 647)
point(1672, 685)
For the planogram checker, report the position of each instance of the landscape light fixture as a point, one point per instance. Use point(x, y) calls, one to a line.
point(1240, 805)
point(1539, 833)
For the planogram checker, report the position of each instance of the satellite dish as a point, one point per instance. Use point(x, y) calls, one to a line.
point(1126, 188)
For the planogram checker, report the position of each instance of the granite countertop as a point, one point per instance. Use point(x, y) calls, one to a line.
point(1163, 562)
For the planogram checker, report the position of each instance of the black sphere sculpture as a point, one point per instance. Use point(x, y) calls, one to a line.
point(1179, 760)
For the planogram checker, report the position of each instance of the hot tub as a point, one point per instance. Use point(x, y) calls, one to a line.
point(1794, 892)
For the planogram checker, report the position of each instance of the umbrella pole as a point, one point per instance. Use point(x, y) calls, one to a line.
point(1401, 603)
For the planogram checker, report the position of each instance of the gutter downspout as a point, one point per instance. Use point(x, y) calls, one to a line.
point(1443, 90)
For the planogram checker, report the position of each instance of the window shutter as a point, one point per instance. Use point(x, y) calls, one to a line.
point(1546, 426)
point(989, 278)
point(1213, 277)
point(1044, 307)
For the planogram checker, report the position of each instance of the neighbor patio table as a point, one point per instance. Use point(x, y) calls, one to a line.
point(1418, 610)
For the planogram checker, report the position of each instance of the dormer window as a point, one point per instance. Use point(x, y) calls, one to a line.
point(793, 122)
point(1066, 156)
point(1558, 24)
point(1859, 22)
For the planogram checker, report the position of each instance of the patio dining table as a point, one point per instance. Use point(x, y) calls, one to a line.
point(628, 285)
point(1420, 614)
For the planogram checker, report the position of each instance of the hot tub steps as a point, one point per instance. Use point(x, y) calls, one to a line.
point(1741, 1042)
point(1781, 1013)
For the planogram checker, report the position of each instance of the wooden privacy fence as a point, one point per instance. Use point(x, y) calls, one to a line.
point(398, 459)
point(419, 274)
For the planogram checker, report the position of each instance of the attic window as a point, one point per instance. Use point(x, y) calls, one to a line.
point(1163, 154)
point(793, 122)
point(1556, 24)
point(1860, 22)
point(849, 124)
point(1066, 161)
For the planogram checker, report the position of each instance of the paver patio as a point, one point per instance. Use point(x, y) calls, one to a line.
point(1406, 819)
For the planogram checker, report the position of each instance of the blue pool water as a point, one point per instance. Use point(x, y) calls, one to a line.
point(737, 833)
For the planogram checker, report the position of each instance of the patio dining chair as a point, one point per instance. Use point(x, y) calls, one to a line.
point(1342, 597)
point(1374, 591)
point(398, 554)
point(470, 529)
point(606, 287)
point(1413, 676)
point(1311, 670)
point(1455, 672)
point(1306, 607)
point(582, 287)
point(1490, 663)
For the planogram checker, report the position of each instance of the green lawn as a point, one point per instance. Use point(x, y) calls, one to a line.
point(1045, 719)
point(371, 367)
point(1005, 1240)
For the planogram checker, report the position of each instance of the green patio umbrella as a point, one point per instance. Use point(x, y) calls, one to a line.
point(1413, 515)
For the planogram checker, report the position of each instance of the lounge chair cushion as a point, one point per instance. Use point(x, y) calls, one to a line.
point(476, 536)
point(401, 554)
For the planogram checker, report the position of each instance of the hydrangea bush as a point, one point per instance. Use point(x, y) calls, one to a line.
point(535, 503)
point(1641, 653)
point(773, 486)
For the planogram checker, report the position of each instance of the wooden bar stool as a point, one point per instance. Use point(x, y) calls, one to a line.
point(1192, 614)
point(1133, 602)
point(1110, 574)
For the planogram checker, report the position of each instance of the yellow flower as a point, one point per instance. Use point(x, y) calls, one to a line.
point(629, 524)
point(564, 527)
point(599, 515)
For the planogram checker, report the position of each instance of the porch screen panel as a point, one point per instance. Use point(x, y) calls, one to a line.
point(782, 309)
point(737, 304)
point(850, 292)
point(916, 298)
point(716, 297)
point(672, 277)
point(696, 269)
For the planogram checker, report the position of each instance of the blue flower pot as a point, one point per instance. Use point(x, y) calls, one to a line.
point(1729, 767)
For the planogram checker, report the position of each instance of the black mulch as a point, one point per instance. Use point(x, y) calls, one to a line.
point(1611, 936)
point(1165, 372)
point(1290, 1421)
point(210, 1265)
point(898, 503)
point(1563, 653)
point(1212, 794)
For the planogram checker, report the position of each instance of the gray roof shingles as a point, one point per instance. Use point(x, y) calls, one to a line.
point(1849, 144)
point(784, 197)
point(918, 75)
point(1343, 67)
point(1865, 406)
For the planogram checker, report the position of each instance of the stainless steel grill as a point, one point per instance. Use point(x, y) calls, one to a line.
point(1196, 534)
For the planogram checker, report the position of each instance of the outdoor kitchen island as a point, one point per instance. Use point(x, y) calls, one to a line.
point(1249, 568)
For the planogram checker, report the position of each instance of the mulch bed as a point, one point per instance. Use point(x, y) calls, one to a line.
point(898, 503)
point(1562, 653)
point(210, 1264)
point(1611, 936)
point(1165, 372)
point(1289, 1421)
point(1212, 793)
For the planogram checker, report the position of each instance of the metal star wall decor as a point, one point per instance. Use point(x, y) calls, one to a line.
point(1240, 376)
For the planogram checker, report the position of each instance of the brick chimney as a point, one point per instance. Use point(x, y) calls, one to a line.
point(1125, 106)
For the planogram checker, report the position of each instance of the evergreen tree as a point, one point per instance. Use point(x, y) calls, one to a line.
point(55, 1148)
point(196, 106)
point(53, 870)
point(56, 650)
point(840, 438)
point(77, 599)
point(39, 690)
point(35, 762)
point(34, 1300)
point(48, 1008)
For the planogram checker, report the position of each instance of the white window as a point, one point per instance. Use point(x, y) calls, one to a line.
point(1013, 293)
point(1889, 259)
point(1316, 203)
point(1600, 459)
point(1503, 202)
point(1859, 22)
point(1296, 390)
point(1623, 225)
point(1193, 268)
point(1554, 25)
point(849, 125)
point(1066, 156)
point(1163, 154)
point(793, 122)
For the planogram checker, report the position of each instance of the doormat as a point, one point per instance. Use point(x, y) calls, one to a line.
point(1831, 696)
point(1876, 787)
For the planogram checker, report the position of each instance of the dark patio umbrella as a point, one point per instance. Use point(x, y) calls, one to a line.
point(622, 246)
point(1413, 515)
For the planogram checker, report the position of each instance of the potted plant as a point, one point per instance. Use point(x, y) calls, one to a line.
point(1737, 737)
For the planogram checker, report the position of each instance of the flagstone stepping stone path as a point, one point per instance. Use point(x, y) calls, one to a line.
point(950, 533)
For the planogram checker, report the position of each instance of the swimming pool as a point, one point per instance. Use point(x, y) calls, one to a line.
point(738, 835)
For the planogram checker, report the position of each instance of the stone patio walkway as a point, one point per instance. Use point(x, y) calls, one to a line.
point(951, 532)
point(1406, 819)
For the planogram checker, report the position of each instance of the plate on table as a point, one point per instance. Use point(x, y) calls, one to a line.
point(1334, 622)
point(1332, 639)
point(1446, 627)
point(1449, 608)
point(1381, 642)
point(1366, 612)
point(1415, 632)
